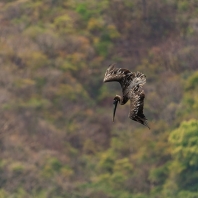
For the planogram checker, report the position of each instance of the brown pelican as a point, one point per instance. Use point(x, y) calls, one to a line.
point(131, 84)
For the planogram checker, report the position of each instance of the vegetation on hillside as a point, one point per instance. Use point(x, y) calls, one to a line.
point(57, 136)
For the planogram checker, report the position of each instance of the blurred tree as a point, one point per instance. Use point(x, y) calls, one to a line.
point(185, 157)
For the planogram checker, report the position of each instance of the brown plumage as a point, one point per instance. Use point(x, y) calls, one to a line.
point(131, 84)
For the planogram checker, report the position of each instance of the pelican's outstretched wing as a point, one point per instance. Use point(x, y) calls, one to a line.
point(118, 74)
point(137, 104)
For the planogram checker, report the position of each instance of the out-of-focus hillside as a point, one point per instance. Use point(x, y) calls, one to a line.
point(57, 138)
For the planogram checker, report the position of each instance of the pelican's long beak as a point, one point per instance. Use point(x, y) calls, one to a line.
point(115, 102)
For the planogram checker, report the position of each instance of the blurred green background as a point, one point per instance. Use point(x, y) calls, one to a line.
point(57, 139)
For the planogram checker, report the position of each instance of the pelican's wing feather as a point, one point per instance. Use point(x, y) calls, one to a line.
point(138, 81)
point(136, 106)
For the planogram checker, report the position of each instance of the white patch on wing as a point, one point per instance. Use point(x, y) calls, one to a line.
point(141, 80)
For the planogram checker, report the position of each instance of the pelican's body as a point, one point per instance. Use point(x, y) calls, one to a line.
point(131, 83)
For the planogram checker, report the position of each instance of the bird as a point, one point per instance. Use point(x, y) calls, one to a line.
point(132, 89)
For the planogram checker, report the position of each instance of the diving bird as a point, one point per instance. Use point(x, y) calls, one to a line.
point(131, 84)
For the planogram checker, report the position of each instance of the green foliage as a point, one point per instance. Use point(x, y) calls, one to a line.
point(53, 167)
point(84, 11)
point(33, 31)
point(158, 175)
point(192, 82)
point(102, 48)
point(64, 24)
point(185, 146)
point(3, 193)
point(187, 194)
point(183, 5)
point(34, 103)
point(107, 161)
point(190, 101)
point(16, 167)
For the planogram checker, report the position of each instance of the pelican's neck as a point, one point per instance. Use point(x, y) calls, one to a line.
point(121, 100)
